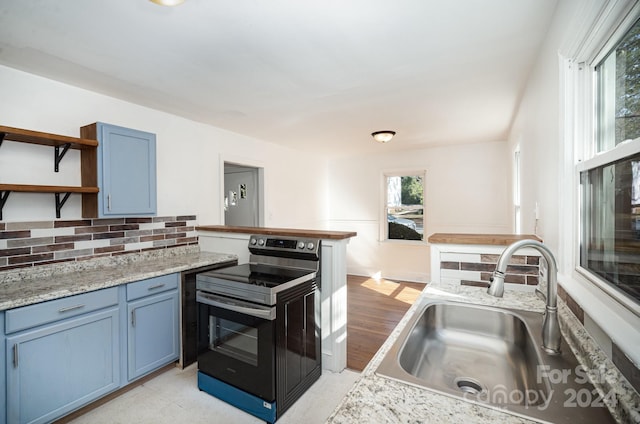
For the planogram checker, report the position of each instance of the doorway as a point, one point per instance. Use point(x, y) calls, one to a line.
point(242, 195)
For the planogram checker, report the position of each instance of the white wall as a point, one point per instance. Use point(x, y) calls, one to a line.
point(466, 192)
point(188, 157)
point(545, 128)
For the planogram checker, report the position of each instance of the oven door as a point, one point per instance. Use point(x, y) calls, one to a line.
point(236, 343)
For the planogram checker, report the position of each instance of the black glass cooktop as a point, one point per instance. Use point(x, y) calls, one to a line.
point(259, 275)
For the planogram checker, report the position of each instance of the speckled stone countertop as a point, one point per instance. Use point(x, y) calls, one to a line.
point(376, 399)
point(26, 286)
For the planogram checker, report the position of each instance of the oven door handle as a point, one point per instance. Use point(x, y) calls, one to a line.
point(268, 313)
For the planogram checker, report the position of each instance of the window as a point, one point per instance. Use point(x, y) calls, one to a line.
point(404, 206)
point(516, 192)
point(610, 177)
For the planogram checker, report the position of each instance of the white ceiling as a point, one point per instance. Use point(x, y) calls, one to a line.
point(318, 76)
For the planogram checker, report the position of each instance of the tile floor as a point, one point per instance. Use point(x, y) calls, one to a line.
point(173, 397)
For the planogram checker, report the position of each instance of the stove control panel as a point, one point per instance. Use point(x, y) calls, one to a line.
point(283, 244)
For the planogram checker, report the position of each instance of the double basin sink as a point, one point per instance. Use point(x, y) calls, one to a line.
point(492, 356)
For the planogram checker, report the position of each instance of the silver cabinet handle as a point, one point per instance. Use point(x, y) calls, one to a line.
point(15, 355)
point(70, 308)
point(109, 201)
point(157, 286)
point(133, 317)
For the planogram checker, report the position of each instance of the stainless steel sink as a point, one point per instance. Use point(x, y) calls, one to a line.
point(492, 356)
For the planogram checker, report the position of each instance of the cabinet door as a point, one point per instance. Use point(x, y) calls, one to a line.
point(55, 369)
point(301, 339)
point(153, 334)
point(126, 171)
point(311, 359)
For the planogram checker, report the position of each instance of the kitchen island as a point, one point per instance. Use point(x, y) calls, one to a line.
point(376, 399)
point(333, 290)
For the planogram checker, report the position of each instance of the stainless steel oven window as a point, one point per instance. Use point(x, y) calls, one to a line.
point(233, 339)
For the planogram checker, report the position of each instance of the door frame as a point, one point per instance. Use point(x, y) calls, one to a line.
point(247, 163)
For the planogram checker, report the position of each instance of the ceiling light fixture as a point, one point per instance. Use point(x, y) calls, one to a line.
point(383, 136)
point(167, 2)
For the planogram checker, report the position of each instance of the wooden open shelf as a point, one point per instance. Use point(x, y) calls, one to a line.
point(61, 144)
point(6, 189)
point(45, 139)
point(25, 188)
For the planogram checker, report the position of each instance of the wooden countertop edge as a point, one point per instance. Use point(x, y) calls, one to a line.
point(484, 239)
point(321, 234)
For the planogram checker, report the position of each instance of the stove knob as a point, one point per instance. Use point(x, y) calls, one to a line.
point(310, 246)
point(253, 241)
point(300, 245)
point(261, 242)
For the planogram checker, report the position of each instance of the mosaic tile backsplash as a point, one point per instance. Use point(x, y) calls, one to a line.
point(25, 244)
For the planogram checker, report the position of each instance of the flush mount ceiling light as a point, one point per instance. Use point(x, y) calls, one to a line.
point(383, 136)
point(167, 2)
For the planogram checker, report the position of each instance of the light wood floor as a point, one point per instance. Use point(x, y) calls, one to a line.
point(374, 308)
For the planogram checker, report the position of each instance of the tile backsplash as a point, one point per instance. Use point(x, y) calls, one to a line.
point(477, 269)
point(25, 244)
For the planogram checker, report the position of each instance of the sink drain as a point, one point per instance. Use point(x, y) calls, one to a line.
point(469, 386)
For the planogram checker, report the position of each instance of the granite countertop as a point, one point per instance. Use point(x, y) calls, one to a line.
point(26, 286)
point(376, 399)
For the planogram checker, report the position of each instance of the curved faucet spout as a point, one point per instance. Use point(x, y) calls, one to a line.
point(551, 329)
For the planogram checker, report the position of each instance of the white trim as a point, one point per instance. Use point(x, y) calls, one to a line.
point(333, 305)
point(383, 228)
point(617, 295)
point(249, 162)
point(577, 90)
point(516, 190)
point(619, 323)
point(595, 40)
point(621, 151)
point(618, 19)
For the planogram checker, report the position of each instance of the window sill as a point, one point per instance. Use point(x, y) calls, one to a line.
point(617, 321)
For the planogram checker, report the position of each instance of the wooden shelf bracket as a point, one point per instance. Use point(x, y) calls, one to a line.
point(4, 195)
point(58, 155)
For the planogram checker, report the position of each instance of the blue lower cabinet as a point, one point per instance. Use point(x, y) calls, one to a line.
point(54, 369)
point(153, 333)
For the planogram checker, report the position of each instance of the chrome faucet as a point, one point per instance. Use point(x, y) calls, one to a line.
point(550, 327)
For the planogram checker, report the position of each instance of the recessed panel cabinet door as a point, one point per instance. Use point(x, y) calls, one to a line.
point(127, 171)
point(153, 335)
point(57, 368)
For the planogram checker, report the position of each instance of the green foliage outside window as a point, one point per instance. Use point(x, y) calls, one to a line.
point(412, 193)
point(627, 90)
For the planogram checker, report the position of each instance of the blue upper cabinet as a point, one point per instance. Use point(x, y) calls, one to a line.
point(126, 172)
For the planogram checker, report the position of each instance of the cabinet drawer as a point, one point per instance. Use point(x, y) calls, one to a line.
point(55, 310)
point(151, 286)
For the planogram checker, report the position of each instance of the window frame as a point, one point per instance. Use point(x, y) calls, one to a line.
point(517, 190)
point(383, 224)
point(587, 156)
